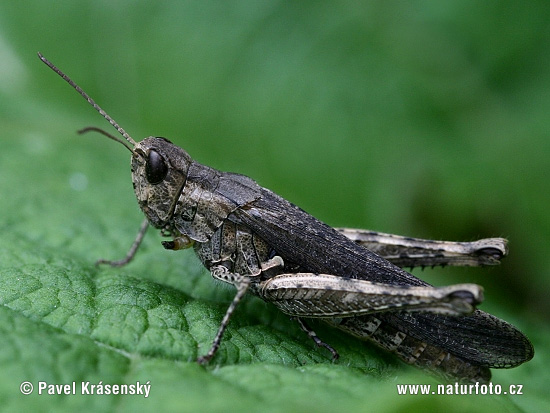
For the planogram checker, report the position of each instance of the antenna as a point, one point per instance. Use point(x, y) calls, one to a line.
point(95, 105)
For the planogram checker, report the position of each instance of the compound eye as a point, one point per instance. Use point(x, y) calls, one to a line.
point(155, 168)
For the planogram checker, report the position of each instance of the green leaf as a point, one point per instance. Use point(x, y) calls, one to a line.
point(420, 119)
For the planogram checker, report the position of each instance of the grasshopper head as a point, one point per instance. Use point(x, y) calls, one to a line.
point(159, 171)
point(159, 168)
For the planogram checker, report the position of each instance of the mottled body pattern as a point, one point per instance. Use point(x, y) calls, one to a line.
point(252, 238)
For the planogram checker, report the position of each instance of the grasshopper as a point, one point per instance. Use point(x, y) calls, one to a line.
point(252, 238)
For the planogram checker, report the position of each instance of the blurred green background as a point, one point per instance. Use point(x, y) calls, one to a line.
point(427, 119)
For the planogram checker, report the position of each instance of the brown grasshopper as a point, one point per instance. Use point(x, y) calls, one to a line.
point(250, 237)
